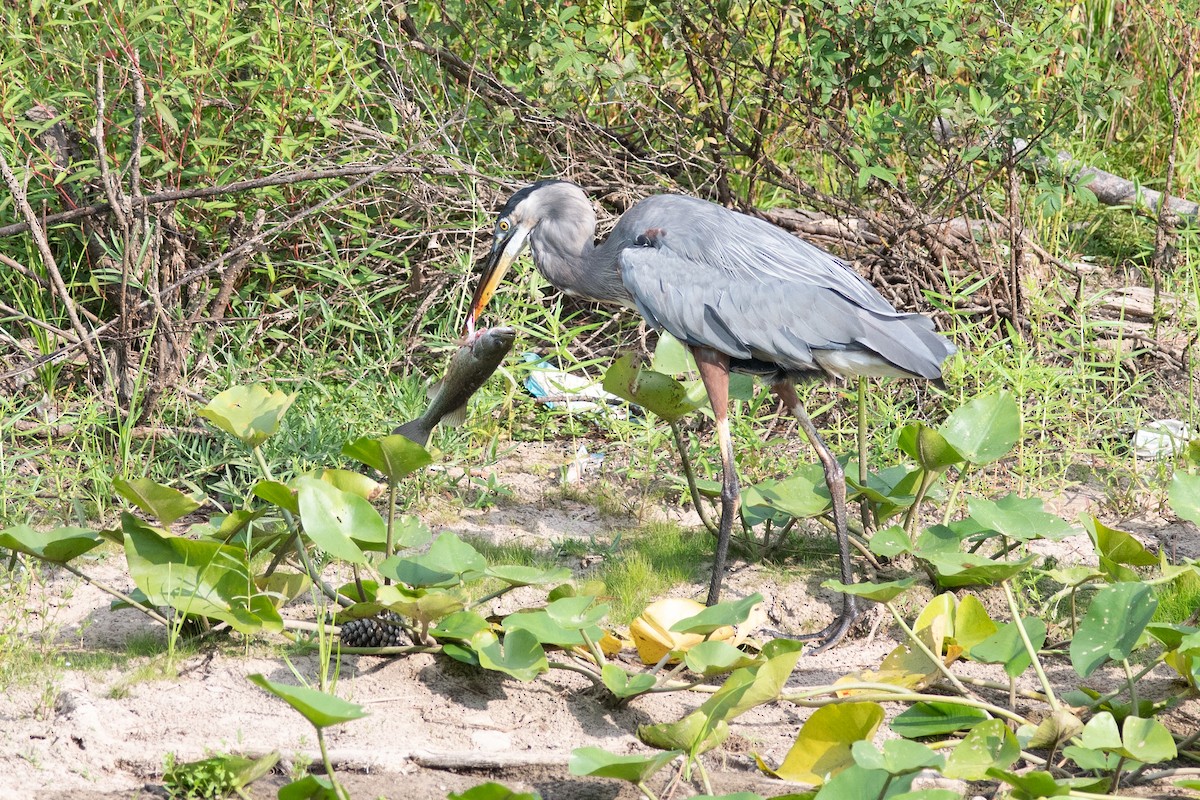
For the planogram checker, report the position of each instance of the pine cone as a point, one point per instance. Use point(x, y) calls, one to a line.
point(382, 631)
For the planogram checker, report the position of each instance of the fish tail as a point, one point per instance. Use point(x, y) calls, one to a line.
point(416, 430)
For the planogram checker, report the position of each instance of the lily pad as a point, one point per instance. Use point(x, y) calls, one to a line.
point(250, 413)
point(395, 456)
point(57, 546)
point(164, 503)
point(319, 708)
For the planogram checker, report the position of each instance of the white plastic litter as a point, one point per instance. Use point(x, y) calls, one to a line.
point(580, 464)
point(572, 392)
point(1162, 438)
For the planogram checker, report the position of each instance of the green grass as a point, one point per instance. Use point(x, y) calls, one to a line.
point(649, 562)
point(1179, 600)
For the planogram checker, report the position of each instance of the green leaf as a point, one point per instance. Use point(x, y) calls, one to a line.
point(1117, 550)
point(1032, 784)
point(660, 394)
point(319, 708)
point(1101, 733)
point(802, 495)
point(310, 787)
point(161, 502)
point(57, 546)
point(898, 756)
point(671, 356)
point(696, 733)
point(822, 747)
point(250, 413)
point(1006, 647)
point(989, 745)
point(1022, 519)
point(580, 611)
point(624, 685)
point(196, 577)
point(715, 657)
point(1112, 625)
point(459, 625)
point(856, 782)
point(985, 429)
point(890, 542)
point(276, 493)
point(548, 630)
point(395, 456)
point(520, 655)
point(422, 605)
point(927, 447)
point(730, 612)
point(1184, 496)
point(447, 563)
point(334, 519)
point(1054, 730)
point(879, 592)
point(597, 763)
point(972, 624)
point(935, 719)
point(515, 575)
point(1147, 741)
point(351, 482)
point(493, 791)
point(955, 570)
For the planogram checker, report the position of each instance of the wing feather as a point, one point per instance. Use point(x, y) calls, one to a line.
point(743, 287)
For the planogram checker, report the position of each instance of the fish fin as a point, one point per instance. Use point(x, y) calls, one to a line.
point(456, 417)
point(433, 390)
point(415, 431)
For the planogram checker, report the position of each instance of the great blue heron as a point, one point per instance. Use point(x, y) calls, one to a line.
point(742, 294)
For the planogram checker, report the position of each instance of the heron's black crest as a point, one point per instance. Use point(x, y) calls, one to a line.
point(520, 196)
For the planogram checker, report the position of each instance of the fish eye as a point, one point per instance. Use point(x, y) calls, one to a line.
point(503, 226)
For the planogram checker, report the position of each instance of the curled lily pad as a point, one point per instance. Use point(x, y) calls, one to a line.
point(250, 413)
point(57, 546)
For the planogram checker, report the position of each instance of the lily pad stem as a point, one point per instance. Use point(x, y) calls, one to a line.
point(1033, 656)
point(689, 473)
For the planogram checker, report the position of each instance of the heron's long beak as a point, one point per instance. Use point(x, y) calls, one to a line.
point(505, 251)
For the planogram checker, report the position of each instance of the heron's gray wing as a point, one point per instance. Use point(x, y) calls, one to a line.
point(745, 248)
point(785, 318)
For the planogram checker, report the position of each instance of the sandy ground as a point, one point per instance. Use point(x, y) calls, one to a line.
point(435, 726)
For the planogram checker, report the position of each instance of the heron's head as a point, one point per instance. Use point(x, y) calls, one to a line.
point(547, 205)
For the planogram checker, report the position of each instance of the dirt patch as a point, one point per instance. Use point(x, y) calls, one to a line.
point(435, 725)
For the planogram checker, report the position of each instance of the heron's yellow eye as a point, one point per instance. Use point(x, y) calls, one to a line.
point(503, 225)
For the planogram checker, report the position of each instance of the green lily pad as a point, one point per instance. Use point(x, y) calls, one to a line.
point(319, 708)
point(879, 592)
point(250, 413)
point(1022, 519)
point(1112, 625)
point(985, 429)
point(988, 745)
point(935, 719)
point(1184, 496)
point(823, 746)
point(57, 546)
point(196, 577)
point(164, 503)
point(462, 625)
point(278, 494)
point(310, 787)
point(519, 655)
point(660, 394)
point(493, 791)
point(730, 612)
point(928, 447)
point(597, 763)
point(395, 456)
point(338, 522)
point(447, 563)
point(955, 570)
point(715, 658)
point(1006, 647)
point(624, 685)
point(516, 575)
point(422, 605)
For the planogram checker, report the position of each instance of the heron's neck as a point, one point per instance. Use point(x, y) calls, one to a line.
point(576, 265)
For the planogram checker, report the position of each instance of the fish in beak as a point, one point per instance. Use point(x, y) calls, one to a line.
point(507, 248)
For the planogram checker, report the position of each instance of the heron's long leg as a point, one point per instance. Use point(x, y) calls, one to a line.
point(714, 371)
point(835, 479)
